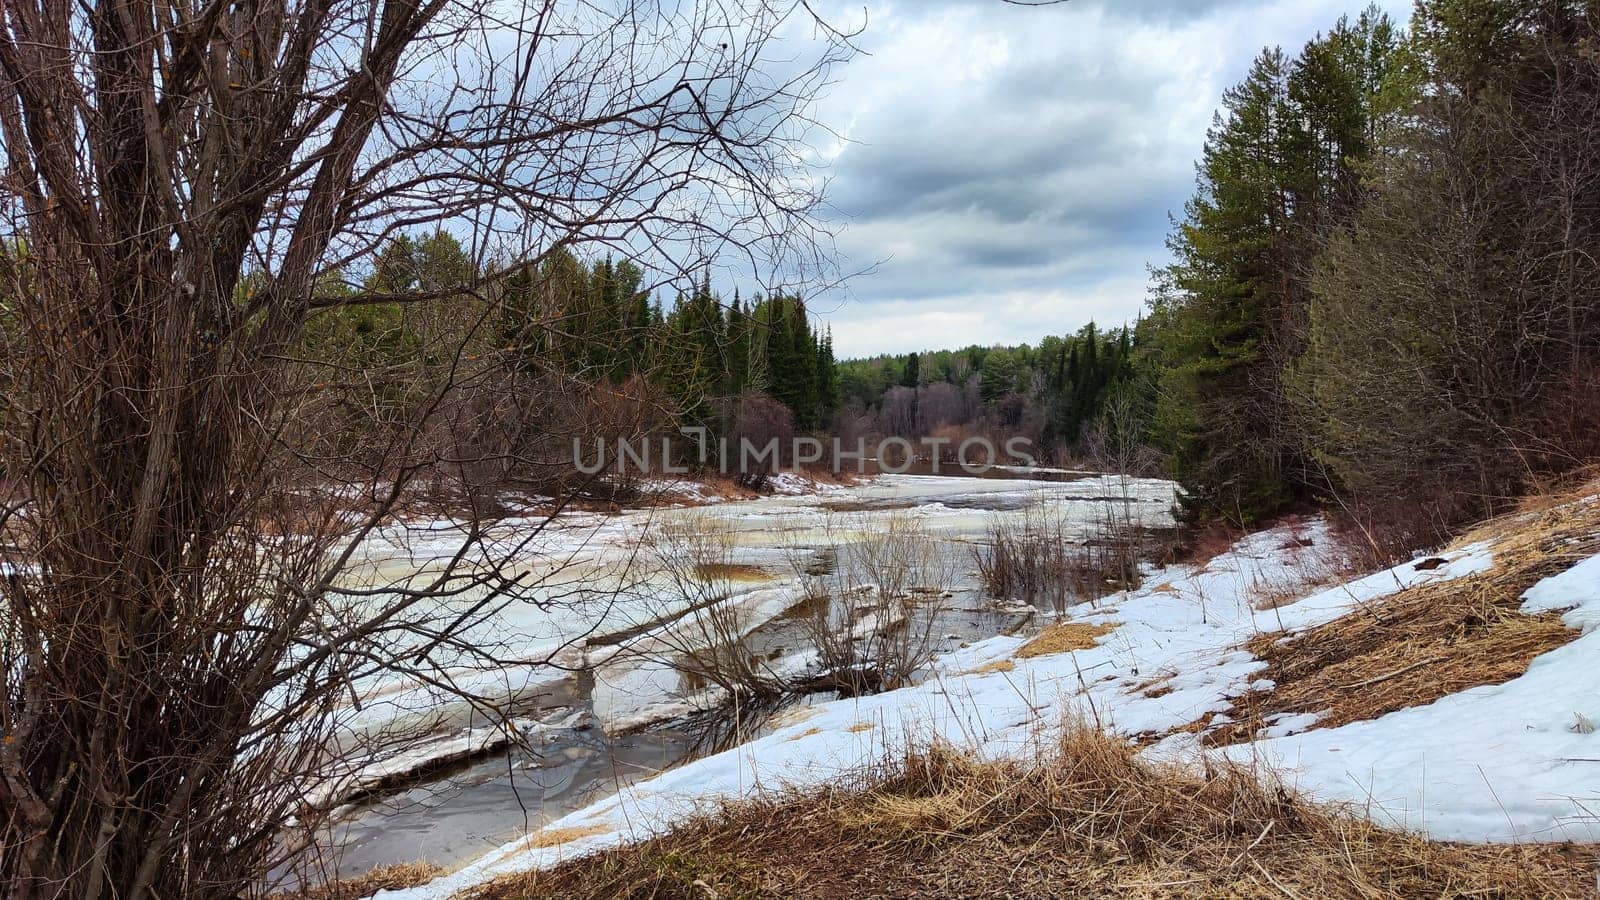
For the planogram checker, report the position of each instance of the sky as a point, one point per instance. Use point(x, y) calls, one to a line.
point(1005, 173)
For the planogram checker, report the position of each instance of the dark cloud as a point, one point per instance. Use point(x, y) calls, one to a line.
point(1012, 170)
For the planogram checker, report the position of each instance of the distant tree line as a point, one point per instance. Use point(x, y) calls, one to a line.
point(1053, 393)
point(593, 327)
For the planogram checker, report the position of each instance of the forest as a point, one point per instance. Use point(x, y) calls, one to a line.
point(1383, 288)
point(591, 335)
point(1055, 394)
point(1381, 295)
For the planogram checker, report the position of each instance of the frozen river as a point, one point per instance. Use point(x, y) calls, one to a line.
point(587, 660)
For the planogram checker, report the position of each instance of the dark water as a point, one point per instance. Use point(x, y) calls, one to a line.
point(463, 812)
point(481, 805)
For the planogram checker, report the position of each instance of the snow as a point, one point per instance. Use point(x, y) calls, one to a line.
point(1507, 762)
point(1576, 590)
point(1341, 599)
point(1180, 633)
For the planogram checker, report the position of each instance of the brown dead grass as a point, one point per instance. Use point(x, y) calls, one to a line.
point(859, 727)
point(1423, 643)
point(731, 572)
point(393, 878)
point(1064, 637)
point(1089, 820)
point(552, 837)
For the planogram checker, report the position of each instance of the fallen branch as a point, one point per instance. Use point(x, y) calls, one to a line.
point(1388, 675)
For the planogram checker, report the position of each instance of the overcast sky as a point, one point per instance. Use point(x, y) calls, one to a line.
point(1012, 170)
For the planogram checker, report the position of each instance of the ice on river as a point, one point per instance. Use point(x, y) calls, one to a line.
point(600, 603)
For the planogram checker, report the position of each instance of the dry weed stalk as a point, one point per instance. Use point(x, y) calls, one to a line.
point(1040, 558)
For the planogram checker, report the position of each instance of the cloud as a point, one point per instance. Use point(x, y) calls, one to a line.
point(1010, 170)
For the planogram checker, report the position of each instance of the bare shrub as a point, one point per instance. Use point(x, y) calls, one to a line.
point(760, 422)
point(872, 618)
point(704, 630)
point(1041, 559)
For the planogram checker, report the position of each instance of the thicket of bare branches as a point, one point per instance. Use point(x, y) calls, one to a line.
point(1040, 558)
point(872, 615)
point(183, 634)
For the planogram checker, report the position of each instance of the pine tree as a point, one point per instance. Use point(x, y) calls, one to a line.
point(1278, 169)
point(999, 375)
point(913, 371)
point(827, 369)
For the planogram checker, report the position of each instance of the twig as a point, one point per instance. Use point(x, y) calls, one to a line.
point(1253, 844)
point(1388, 675)
point(1273, 881)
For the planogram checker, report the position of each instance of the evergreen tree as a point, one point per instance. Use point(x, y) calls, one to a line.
point(1278, 169)
point(828, 388)
point(999, 375)
point(913, 371)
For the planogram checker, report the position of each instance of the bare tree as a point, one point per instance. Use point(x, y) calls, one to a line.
point(185, 627)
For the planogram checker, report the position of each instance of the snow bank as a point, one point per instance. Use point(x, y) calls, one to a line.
point(1517, 761)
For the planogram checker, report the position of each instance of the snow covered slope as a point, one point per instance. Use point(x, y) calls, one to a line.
point(1517, 761)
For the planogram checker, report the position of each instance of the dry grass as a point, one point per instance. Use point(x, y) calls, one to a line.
point(731, 572)
point(394, 878)
point(1064, 637)
point(1423, 643)
point(1087, 821)
point(553, 837)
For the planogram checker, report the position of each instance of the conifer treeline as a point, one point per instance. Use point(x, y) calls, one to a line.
point(593, 324)
point(1384, 288)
